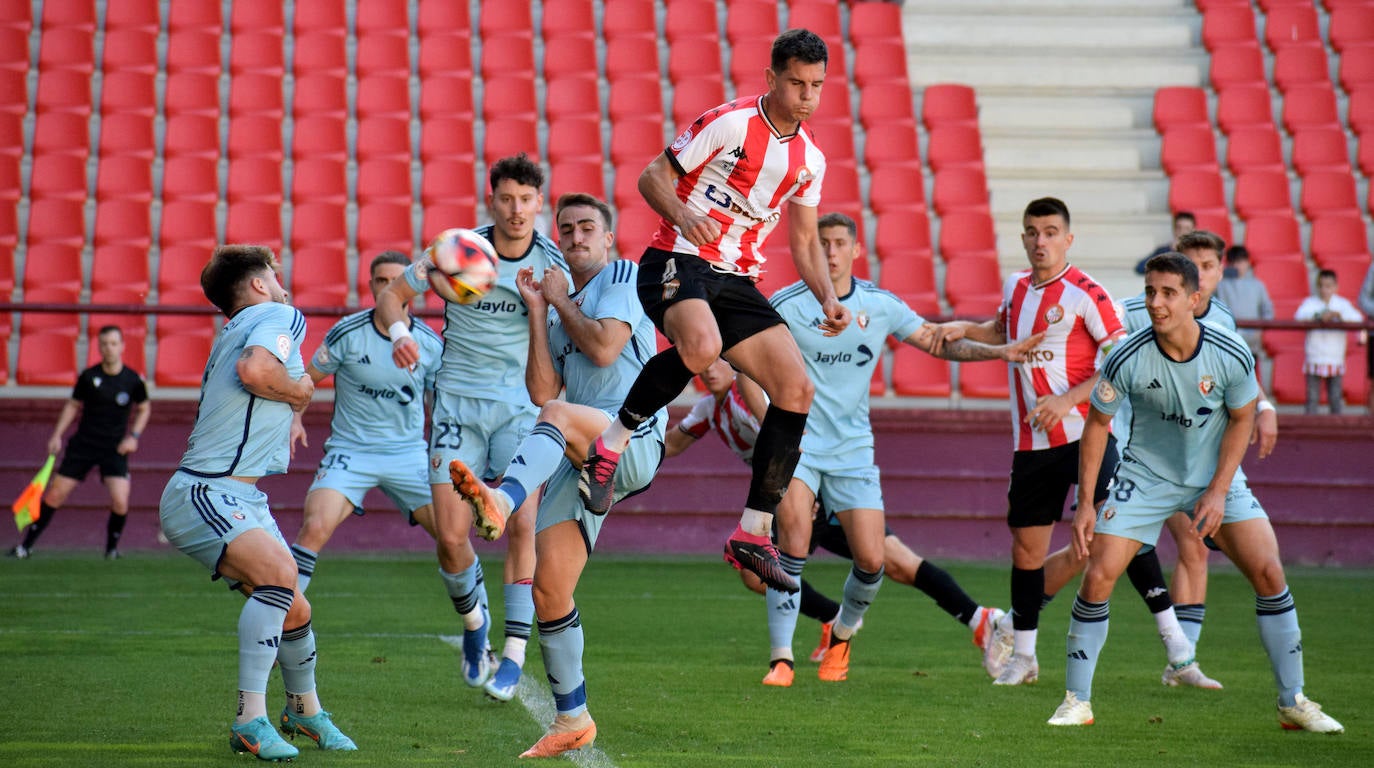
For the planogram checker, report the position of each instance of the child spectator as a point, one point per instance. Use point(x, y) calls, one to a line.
point(1325, 350)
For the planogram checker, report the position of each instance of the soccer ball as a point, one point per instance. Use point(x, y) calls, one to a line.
point(464, 265)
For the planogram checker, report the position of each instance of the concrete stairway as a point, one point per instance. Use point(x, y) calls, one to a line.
point(1065, 89)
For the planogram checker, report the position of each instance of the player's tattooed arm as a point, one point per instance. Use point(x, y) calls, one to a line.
point(263, 374)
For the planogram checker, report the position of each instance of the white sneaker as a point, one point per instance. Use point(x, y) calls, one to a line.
point(19, 552)
point(1072, 712)
point(1021, 670)
point(1000, 646)
point(1307, 715)
point(1189, 674)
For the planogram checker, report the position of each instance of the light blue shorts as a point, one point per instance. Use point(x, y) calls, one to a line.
point(841, 487)
point(1139, 502)
point(636, 470)
point(402, 476)
point(483, 434)
point(200, 516)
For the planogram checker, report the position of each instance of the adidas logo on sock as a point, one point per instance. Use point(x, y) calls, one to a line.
point(271, 642)
point(1080, 655)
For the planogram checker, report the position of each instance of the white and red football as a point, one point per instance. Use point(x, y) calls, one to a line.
point(465, 266)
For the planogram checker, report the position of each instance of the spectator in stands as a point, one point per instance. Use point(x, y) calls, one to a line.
point(1245, 294)
point(104, 395)
point(1325, 349)
point(1367, 306)
point(1184, 222)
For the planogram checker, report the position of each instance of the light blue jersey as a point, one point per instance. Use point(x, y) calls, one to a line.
point(377, 406)
point(842, 366)
point(486, 343)
point(238, 433)
point(1179, 409)
point(610, 294)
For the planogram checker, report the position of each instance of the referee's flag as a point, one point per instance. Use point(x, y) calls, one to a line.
point(26, 507)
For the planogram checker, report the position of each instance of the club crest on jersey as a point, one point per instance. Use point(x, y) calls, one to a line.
point(804, 175)
point(322, 355)
point(1206, 385)
point(434, 460)
point(122, 399)
point(238, 516)
point(284, 345)
point(862, 320)
point(1054, 314)
point(1105, 391)
point(1108, 512)
point(681, 142)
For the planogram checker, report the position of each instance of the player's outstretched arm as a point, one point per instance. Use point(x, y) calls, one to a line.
point(933, 339)
point(391, 311)
point(1208, 512)
point(1092, 446)
point(264, 375)
point(542, 381)
point(805, 241)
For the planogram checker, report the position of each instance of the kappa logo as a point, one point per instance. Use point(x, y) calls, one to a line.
point(1154, 384)
point(738, 153)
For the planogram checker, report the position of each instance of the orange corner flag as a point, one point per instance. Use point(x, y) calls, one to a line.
point(26, 507)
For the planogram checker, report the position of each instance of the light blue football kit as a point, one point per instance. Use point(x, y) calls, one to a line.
point(482, 409)
point(377, 433)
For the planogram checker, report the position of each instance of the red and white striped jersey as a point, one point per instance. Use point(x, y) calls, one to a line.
point(1079, 320)
point(738, 170)
point(729, 417)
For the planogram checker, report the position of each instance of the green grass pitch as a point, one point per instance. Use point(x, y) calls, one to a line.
point(133, 663)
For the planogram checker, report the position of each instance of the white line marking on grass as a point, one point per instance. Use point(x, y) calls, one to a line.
point(538, 703)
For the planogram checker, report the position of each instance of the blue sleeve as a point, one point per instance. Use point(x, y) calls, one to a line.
point(328, 356)
point(1242, 387)
point(280, 331)
point(417, 274)
point(903, 319)
point(1109, 392)
point(620, 299)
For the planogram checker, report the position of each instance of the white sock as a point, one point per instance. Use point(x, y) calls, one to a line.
point(515, 650)
point(756, 522)
point(976, 618)
point(842, 631)
point(304, 704)
point(1176, 645)
point(251, 705)
point(617, 436)
point(780, 653)
point(472, 620)
point(1024, 644)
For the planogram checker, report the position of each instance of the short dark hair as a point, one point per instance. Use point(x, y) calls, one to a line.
point(229, 268)
point(387, 257)
point(837, 219)
point(1237, 253)
point(1181, 215)
point(1331, 273)
point(1175, 263)
point(1047, 206)
point(1201, 239)
point(571, 199)
point(800, 44)
point(520, 168)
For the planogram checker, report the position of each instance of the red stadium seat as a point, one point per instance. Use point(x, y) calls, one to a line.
point(1309, 106)
point(874, 21)
point(891, 143)
point(1301, 64)
point(625, 192)
point(984, 380)
point(1262, 193)
point(52, 271)
point(1339, 237)
point(181, 358)
point(896, 187)
point(256, 136)
point(1291, 24)
point(1244, 106)
point(569, 55)
point(917, 374)
point(621, 18)
point(321, 224)
point(446, 97)
point(750, 19)
point(972, 282)
point(259, 52)
point(1179, 106)
point(383, 226)
point(259, 15)
point(319, 276)
point(694, 58)
point(384, 179)
point(446, 55)
point(1188, 148)
point(1229, 24)
point(386, 96)
point(1320, 149)
point(568, 18)
point(47, 356)
point(449, 137)
point(67, 48)
point(880, 60)
point(382, 53)
point(952, 146)
point(576, 175)
point(572, 98)
point(58, 177)
point(124, 222)
point(948, 103)
point(634, 228)
point(1196, 190)
point(507, 55)
point(194, 51)
point(329, 16)
point(135, 14)
point(1360, 111)
point(1364, 157)
point(967, 234)
point(56, 222)
point(255, 178)
point(960, 189)
point(64, 90)
point(502, 18)
point(575, 138)
point(910, 272)
point(819, 16)
point(1351, 24)
point(509, 97)
point(1357, 67)
point(440, 16)
point(635, 98)
point(251, 93)
point(749, 57)
point(439, 216)
point(636, 140)
point(1236, 64)
point(127, 134)
point(63, 133)
point(901, 234)
point(321, 94)
point(1329, 192)
point(633, 56)
point(130, 50)
point(383, 137)
point(688, 19)
point(190, 177)
point(1273, 238)
point(508, 136)
point(1254, 148)
point(192, 93)
point(692, 98)
point(836, 140)
point(187, 222)
point(120, 267)
point(254, 222)
point(451, 180)
point(886, 102)
point(319, 179)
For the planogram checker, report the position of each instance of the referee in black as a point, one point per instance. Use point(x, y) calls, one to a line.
point(104, 395)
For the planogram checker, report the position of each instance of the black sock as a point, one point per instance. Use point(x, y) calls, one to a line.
point(1027, 589)
point(45, 513)
point(114, 528)
point(945, 591)
point(663, 378)
point(816, 606)
point(776, 452)
point(1148, 579)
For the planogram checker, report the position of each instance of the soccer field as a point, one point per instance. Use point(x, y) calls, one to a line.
point(133, 663)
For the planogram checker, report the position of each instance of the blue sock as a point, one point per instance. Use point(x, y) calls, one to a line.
point(1087, 634)
point(1277, 618)
point(1190, 618)
point(860, 587)
point(260, 634)
point(519, 601)
point(297, 658)
point(305, 565)
point(467, 590)
point(535, 461)
point(783, 609)
point(560, 641)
